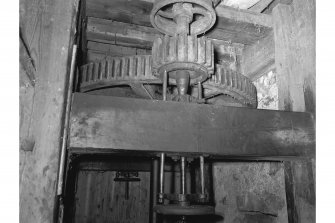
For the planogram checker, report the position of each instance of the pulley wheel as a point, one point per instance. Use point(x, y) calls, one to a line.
point(203, 16)
point(175, 209)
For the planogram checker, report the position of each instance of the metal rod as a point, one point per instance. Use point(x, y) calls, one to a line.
point(66, 124)
point(165, 80)
point(183, 180)
point(202, 176)
point(199, 90)
point(154, 191)
point(161, 177)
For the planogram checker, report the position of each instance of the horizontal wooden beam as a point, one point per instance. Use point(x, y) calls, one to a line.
point(259, 58)
point(243, 15)
point(240, 26)
point(124, 124)
point(119, 33)
point(260, 6)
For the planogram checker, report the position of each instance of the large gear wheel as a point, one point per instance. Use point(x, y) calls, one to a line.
point(183, 52)
point(119, 71)
point(116, 71)
point(229, 82)
point(201, 15)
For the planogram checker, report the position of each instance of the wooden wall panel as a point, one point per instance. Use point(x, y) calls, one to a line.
point(100, 199)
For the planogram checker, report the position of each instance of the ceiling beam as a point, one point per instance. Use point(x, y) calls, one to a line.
point(260, 6)
point(235, 25)
point(259, 58)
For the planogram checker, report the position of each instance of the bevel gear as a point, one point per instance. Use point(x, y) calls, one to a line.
point(183, 52)
point(228, 82)
point(118, 71)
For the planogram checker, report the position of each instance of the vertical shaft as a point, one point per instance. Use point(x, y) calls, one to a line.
point(183, 180)
point(165, 80)
point(199, 90)
point(161, 178)
point(202, 177)
point(182, 81)
point(154, 191)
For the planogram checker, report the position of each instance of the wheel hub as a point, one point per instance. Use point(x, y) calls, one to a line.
point(199, 15)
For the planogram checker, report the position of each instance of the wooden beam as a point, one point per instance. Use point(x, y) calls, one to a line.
point(48, 28)
point(112, 123)
point(295, 65)
point(258, 59)
point(243, 15)
point(260, 6)
point(119, 33)
point(274, 3)
point(240, 26)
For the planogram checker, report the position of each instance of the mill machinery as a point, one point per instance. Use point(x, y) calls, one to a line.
point(182, 69)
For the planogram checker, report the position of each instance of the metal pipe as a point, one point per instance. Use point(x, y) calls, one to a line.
point(66, 124)
point(161, 178)
point(183, 180)
point(202, 176)
point(199, 90)
point(165, 80)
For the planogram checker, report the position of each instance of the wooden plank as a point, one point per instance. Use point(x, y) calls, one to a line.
point(258, 59)
point(109, 123)
point(240, 26)
point(48, 28)
point(260, 6)
point(290, 85)
point(100, 51)
point(294, 29)
point(273, 4)
point(100, 199)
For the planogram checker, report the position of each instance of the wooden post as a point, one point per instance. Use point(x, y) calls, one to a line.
point(294, 33)
point(48, 28)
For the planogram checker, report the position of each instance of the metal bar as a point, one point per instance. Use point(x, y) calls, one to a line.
point(199, 90)
point(66, 124)
point(161, 177)
point(154, 190)
point(202, 175)
point(165, 80)
point(182, 170)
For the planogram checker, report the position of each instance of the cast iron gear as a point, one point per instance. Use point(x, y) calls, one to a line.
point(183, 52)
point(229, 82)
point(201, 16)
point(116, 71)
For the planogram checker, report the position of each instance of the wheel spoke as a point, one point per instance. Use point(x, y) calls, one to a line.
point(198, 10)
point(168, 15)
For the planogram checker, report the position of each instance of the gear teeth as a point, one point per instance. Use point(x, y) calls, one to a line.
point(231, 83)
point(117, 71)
point(183, 52)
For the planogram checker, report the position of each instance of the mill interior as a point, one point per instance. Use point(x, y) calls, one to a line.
point(167, 111)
